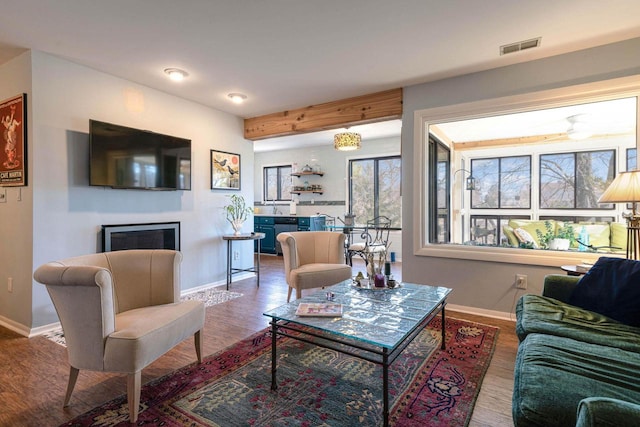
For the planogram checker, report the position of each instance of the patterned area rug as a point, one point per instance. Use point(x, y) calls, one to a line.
point(209, 296)
point(316, 386)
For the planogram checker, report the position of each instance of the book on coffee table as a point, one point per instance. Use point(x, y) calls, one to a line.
point(319, 309)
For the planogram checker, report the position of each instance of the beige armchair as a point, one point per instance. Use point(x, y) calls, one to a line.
point(313, 259)
point(120, 311)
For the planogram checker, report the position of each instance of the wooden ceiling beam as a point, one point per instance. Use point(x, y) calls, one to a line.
point(375, 107)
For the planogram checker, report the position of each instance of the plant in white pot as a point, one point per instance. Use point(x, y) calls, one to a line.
point(557, 240)
point(563, 238)
point(237, 212)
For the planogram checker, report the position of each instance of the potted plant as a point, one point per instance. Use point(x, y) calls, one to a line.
point(237, 212)
point(563, 238)
point(558, 240)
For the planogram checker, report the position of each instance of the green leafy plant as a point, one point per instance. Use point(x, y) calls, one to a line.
point(564, 232)
point(237, 210)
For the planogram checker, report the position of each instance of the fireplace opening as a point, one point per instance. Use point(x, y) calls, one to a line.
point(164, 235)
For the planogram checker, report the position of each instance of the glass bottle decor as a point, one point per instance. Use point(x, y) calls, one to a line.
point(378, 279)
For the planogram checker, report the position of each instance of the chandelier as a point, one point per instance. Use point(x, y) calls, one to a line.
point(347, 141)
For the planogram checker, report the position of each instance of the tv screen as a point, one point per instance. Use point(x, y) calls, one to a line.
point(123, 157)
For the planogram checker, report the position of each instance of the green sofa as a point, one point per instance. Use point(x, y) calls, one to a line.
point(573, 366)
point(609, 237)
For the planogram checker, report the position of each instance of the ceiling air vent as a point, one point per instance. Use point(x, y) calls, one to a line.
point(518, 46)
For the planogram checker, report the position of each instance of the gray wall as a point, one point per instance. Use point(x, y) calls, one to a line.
point(60, 215)
point(488, 286)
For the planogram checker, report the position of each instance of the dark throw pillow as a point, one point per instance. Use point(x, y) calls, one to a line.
point(612, 288)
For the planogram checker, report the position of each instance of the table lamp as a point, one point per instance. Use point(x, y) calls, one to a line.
point(626, 189)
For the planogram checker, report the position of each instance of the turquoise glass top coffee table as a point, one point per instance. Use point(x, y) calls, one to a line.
point(376, 325)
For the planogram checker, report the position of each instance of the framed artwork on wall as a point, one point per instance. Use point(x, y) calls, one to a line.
point(225, 170)
point(13, 155)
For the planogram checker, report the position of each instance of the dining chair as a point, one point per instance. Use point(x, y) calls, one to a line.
point(375, 240)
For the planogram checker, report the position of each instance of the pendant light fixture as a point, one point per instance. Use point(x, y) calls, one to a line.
point(347, 141)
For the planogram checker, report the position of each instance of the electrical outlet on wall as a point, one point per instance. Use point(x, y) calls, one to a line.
point(236, 255)
point(3, 195)
point(521, 281)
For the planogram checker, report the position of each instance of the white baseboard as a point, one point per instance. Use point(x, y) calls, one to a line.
point(15, 326)
point(482, 312)
point(236, 277)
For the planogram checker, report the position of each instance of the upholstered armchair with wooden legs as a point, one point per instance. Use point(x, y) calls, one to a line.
point(313, 259)
point(120, 311)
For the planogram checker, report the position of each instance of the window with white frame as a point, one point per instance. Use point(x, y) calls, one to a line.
point(532, 166)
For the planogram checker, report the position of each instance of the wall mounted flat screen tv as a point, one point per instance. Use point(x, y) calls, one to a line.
point(123, 157)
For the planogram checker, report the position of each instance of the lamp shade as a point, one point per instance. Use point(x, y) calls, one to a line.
point(625, 188)
point(346, 141)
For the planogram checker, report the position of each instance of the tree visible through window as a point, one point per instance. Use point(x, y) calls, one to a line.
point(277, 183)
point(502, 182)
point(575, 180)
point(374, 189)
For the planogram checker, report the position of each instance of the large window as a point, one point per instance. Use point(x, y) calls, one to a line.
point(502, 182)
point(575, 180)
point(527, 166)
point(375, 189)
point(277, 183)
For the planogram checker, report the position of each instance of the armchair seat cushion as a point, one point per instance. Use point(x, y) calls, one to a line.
point(149, 332)
point(310, 276)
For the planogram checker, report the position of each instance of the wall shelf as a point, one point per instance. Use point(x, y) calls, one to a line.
point(307, 192)
point(299, 174)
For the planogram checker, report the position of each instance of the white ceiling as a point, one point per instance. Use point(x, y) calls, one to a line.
point(286, 54)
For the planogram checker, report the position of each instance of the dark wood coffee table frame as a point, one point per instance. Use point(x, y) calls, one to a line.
point(376, 354)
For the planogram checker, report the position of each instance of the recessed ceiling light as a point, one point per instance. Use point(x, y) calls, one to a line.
point(176, 74)
point(237, 98)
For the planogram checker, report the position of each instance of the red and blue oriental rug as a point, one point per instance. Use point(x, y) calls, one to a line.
point(316, 386)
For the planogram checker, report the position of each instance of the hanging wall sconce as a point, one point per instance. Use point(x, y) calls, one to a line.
point(470, 181)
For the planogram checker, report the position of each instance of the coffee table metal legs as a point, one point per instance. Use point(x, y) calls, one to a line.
point(274, 332)
point(385, 387)
point(442, 345)
point(385, 363)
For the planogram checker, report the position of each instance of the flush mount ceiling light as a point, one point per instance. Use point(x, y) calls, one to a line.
point(347, 141)
point(237, 98)
point(176, 74)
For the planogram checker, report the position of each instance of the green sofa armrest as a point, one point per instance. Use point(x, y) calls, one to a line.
point(559, 286)
point(606, 412)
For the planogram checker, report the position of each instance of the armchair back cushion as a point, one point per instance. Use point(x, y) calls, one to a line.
point(313, 259)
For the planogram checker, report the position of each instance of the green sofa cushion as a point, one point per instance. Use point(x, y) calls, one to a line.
point(555, 373)
point(605, 412)
point(599, 234)
point(538, 314)
point(531, 227)
point(619, 237)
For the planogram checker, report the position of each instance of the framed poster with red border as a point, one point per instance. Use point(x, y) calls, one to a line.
point(13, 151)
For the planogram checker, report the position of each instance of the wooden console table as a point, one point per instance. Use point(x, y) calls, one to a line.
point(230, 238)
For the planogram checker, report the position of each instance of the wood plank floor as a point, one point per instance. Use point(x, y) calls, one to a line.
point(34, 372)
